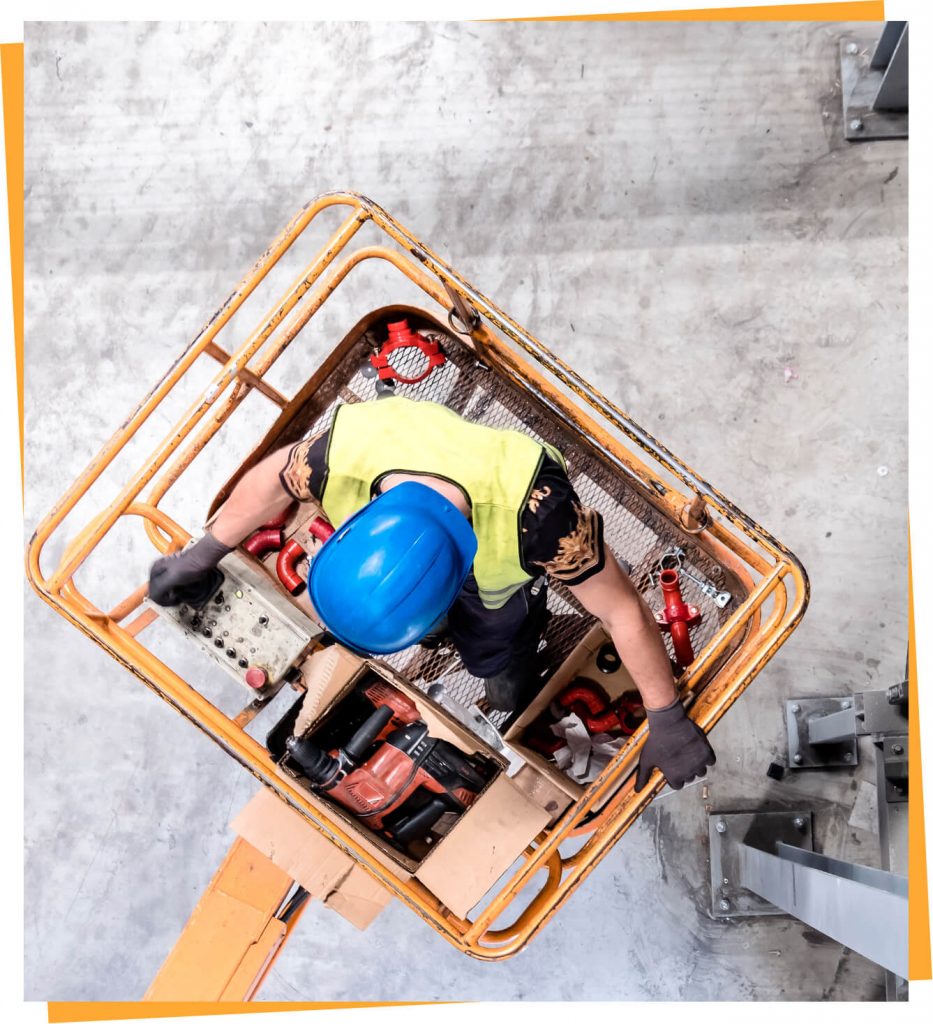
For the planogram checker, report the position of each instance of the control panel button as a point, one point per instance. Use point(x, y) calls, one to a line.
point(256, 677)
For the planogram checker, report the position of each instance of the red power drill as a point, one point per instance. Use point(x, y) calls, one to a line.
point(355, 709)
point(399, 786)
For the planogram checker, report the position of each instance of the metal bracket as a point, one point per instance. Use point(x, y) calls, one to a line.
point(877, 717)
point(893, 755)
point(728, 833)
point(462, 311)
point(821, 732)
point(870, 85)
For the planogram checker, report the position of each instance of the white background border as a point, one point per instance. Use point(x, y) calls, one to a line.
point(920, 491)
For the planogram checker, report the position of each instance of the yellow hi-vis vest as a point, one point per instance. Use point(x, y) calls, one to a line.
point(495, 469)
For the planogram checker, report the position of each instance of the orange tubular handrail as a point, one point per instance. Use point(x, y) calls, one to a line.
point(777, 586)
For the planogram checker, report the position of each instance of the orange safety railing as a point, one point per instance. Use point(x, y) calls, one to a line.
point(777, 585)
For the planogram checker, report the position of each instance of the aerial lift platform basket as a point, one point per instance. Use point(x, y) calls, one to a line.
point(495, 373)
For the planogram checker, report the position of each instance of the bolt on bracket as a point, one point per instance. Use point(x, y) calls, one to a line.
point(728, 833)
point(822, 732)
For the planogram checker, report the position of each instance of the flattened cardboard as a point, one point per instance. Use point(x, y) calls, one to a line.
point(292, 844)
point(482, 845)
point(325, 674)
point(540, 789)
point(310, 859)
point(580, 662)
point(359, 898)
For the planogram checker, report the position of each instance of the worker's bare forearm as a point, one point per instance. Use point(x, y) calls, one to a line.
point(257, 498)
point(638, 641)
point(610, 596)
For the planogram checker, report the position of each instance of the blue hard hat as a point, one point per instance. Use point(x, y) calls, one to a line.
point(392, 570)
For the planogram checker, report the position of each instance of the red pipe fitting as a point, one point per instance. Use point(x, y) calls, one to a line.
point(285, 567)
point(401, 336)
point(542, 740)
point(677, 617)
point(264, 541)
point(593, 706)
point(320, 529)
point(584, 691)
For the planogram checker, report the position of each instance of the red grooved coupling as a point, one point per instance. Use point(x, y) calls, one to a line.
point(401, 336)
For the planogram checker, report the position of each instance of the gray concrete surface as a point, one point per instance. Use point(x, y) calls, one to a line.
point(673, 210)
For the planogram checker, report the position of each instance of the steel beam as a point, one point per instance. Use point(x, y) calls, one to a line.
point(890, 36)
point(862, 908)
point(893, 92)
point(873, 76)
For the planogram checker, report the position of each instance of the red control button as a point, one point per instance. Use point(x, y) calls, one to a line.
point(256, 677)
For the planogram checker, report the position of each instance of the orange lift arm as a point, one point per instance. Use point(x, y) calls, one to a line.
point(234, 934)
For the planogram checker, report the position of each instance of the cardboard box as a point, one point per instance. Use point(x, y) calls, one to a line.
point(484, 841)
point(580, 662)
point(296, 847)
point(546, 794)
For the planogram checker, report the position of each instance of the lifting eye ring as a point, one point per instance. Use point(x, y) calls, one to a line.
point(452, 315)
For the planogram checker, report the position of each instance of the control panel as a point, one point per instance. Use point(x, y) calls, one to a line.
point(247, 626)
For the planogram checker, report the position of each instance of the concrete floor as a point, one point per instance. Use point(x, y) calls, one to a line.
point(673, 210)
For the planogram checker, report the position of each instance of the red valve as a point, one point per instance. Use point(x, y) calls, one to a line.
point(264, 541)
point(676, 617)
point(401, 336)
point(285, 567)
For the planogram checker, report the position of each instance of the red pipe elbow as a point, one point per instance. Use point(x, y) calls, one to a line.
point(285, 567)
point(593, 706)
point(264, 541)
point(593, 697)
point(320, 528)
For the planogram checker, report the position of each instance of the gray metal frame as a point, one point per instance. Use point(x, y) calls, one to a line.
point(862, 908)
point(875, 84)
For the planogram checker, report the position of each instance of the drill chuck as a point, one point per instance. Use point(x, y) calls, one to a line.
point(318, 766)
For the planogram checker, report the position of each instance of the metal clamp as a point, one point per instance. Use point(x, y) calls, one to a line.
point(674, 558)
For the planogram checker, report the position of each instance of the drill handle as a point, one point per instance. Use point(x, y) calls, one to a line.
point(364, 737)
point(418, 824)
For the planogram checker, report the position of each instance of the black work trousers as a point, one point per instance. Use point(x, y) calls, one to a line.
point(489, 640)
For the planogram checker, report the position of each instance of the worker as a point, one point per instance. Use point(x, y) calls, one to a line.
point(443, 525)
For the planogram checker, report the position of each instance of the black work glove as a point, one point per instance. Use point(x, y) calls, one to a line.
point(675, 745)
point(190, 576)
